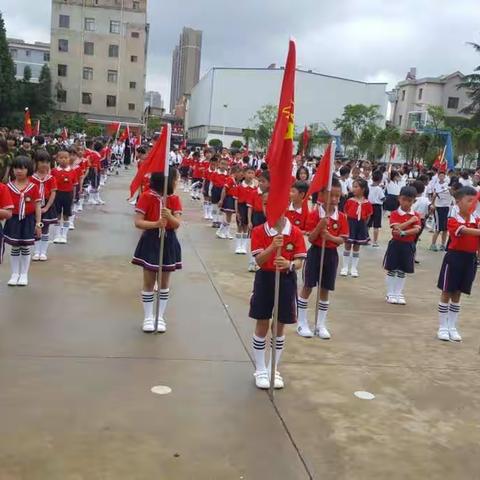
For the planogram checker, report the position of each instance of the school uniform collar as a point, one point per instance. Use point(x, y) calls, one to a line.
point(68, 169)
point(402, 212)
point(46, 178)
point(221, 173)
point(291, 208)
point(246, 185)
point(456, 215)
point(259, 191)
point(271, 232)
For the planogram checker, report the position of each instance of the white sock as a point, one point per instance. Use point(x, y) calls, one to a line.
point(58, 230)
point(164, 294)
point(399, 283)
point(302, 305)
point(259, 353)
point(37, 247)
point(390, 281)
point(453, 311)
point(355, 259)
point(322, 313)
point(245, 241)
point(346, 259)
point(205, 210)
point(44, 244)
point(25, 257)
point(64, 233)
point(279, 346)
point(147, 301)
point(15, 260)
point(442, 316)
point(238, 241)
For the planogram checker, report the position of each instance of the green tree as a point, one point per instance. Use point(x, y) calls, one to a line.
point(93, 131)
point(476, 145)
point(44, 91)
point(7, 77)
point(215, 143)
point(366, 141)
point(408, 144)
point(465, 143)
point(27, 74)
point(75, 123)
point(264, 121)
point(436, 117)
point(472, 84)
point(248, 135)
point(154, 124)
point(236, 144)
point(354, 120)
point(425, 145)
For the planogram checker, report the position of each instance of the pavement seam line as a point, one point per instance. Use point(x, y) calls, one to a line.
point(272, 401)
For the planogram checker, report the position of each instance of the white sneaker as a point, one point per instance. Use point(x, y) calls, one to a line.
point(239, 251)
point(322, 333)
point(443, 334)
point(23, 280)
point(262, 380)
point(161, 326)
point(304, 331)
point(100, 201)
point(63, 241)
point(43, 257)
point(401, 300)
point(80, 209)
point(57, 240)
point(279, 383)
point(71, 226)
point(13, 282)
point(454, 335)
point(92, 201)
point(392, 299)
point(354, 273)
point(229, 236)
point(243, 250)
point(220, 234)
point(344, 272)
point(148, 325)
point(36, 257)
point(251, 267)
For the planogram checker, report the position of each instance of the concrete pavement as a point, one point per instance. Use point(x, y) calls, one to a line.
point(76, 372)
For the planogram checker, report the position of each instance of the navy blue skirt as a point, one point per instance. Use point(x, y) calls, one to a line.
point(311, 268)
point(400, 256)
point(20, 233)
point(50, 216)
point(242, 217)
point(228, 204)
point(184, 171)
point(458, 272)
point(358, 232)
point(147, 253)
point(261, 302)
point(216, 194)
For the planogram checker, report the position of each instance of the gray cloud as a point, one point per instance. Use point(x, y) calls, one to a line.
point(361, 39)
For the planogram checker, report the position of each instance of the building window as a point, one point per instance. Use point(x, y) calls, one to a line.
point(14, 68)
point(420, 94)
point(89, 24)
point(113, 51)
point(452, 102)
point(87, 73)
point(46, 56)
point(86, 98)
point(64, 21)
point(111, 101)
point(61, 96)
point(133, 85)
point(114, 26)
point(400, 120)
point(14, 53)
point(62, 70)
point(112, 76)
point(62, 45)
point(133, 58)
point(27, 53)
point(135, 35)
point(131, 106)
point(403, 95)
point(136, 5)
point(88, 48)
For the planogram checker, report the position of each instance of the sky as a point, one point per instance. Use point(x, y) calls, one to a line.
point(371, 40)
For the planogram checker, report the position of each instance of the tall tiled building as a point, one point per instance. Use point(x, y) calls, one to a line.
point(98, 57)
point(186, 58)
point(32, 55)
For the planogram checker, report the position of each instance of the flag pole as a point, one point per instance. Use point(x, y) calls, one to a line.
point(273, 349)
point(324, 240)
point(162, 231)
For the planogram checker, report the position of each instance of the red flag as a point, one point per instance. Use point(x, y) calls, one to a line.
point(440, 162)
point(156, 160)
point(113, 128)
point(280, 151)
point(27, 124)
point(393, 153)
point(305, 140)
point(324, 173)
point(125, 134)
point(36, 130)
point(65, 133)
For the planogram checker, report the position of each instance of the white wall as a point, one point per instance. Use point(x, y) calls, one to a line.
point(318, 99)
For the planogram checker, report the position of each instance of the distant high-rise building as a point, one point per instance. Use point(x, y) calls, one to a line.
point(186, 60)
point(98, 58)
point(33, 55)
point(153, 99)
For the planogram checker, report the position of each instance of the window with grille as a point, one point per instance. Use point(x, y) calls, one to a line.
point(89, 24)
point(61, 96)
point(133, 58)
point(112, 76)
point(453, 102)
point(64, 21)
point(114, 26)
point(86, 98)
point(111, 101)
point(87, 73)
point(133, 85)
point(113, 51)
point(131, 106)
point(88, 48)
point(62, 45)
point(62, 70)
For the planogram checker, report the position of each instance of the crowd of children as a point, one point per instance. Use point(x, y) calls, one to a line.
point(360, 200)
point(43, 190)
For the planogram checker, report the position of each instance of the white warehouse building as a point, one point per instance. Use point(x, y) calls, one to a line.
point(225, 100)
